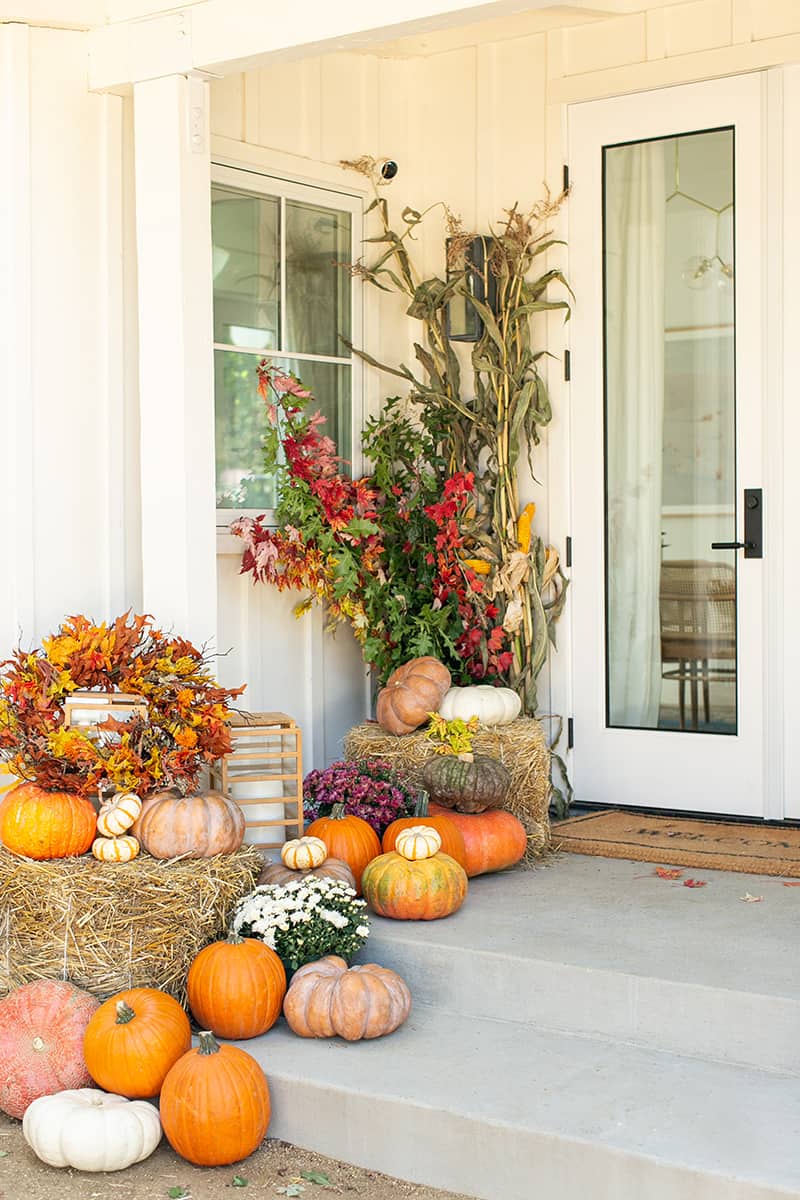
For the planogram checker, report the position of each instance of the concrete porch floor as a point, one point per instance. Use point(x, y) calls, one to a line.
point(583, 1030)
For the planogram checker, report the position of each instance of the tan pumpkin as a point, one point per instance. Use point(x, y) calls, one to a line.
point(326, 999)
point(198, 826)
point(411, 692)
point(304, 853)
point(331, 868)
point(418, 841)
point(118, 814)
point(115, 849)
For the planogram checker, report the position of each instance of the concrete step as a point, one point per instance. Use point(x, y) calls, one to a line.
point(601, 948)
point(495, 1108)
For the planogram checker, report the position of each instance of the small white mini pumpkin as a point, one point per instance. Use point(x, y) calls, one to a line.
point(303, 854)
point(115, 849)
point(491, 705)
point(418, 841)
point(118, 814)
point(90, 1130)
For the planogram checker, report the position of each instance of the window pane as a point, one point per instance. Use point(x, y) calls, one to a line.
point(241, 481)
point(240, 417)
point(330, 385)
point(246, 265)
point(670, 433)
point(317, 290)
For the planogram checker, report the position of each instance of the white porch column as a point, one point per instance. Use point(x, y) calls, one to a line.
point(16, 362)
point(173, 234)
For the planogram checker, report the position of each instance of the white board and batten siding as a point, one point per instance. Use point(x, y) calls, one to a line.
point(422, 113)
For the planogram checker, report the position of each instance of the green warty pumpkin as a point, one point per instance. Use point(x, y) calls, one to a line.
point(469, 786)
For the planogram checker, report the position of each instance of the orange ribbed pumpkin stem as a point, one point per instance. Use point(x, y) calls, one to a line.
point(208, 1043)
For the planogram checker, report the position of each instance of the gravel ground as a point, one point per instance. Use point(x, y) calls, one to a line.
point(275, 1170)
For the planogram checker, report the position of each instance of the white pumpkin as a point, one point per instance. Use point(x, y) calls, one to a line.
point(90, 1130)
point(418, 841)
point(491, 705)
point(303, 854)
point(118, 814)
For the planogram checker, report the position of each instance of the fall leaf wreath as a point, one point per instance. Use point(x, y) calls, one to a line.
point(186, 724)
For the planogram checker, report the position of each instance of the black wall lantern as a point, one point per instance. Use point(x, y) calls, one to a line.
point(463, 322)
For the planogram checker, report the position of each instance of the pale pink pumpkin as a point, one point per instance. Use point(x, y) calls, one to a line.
point(41, 1042)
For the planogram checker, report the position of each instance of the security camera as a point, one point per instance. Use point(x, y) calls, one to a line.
point(388, 168)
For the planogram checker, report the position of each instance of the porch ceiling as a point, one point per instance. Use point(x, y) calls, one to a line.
point(225, 36)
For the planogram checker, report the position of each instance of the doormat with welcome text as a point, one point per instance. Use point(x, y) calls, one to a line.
point(682, 841)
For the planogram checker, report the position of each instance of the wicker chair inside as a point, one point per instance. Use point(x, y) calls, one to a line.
point(698, 627)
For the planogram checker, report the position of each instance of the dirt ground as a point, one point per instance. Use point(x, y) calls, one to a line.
point(275, 1170)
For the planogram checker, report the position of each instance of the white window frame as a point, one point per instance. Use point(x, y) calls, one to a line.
point(263, 183)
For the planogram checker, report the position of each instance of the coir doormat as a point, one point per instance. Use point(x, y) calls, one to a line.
point(683, 842)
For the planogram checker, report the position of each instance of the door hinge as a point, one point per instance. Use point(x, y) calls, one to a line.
point(566, 177)
point(567, 366)
point(568, 554)
point(570, 733)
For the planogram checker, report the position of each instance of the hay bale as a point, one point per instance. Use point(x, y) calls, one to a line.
point(520, 745)
point(107, 927)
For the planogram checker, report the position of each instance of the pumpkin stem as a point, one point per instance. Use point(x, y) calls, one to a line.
point(37, 1043)
point(337, 812)
point(421, 807)
point(124, 1013)
point(234, 939)
point(466, 757)
point(208, 1043)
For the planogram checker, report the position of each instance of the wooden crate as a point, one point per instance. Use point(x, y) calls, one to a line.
point(264, 770)
point(86, 710)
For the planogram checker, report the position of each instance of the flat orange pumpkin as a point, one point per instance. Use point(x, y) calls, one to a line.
point(493, 840)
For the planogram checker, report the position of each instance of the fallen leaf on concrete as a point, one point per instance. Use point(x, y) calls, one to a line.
point(748, 899)
point(695, 882)
point(791, 883)
point(667, 873)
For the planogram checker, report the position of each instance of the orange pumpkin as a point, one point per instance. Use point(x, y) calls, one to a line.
point(198, 826)
point(349, 838)
point(236, 987)
point(412, 691)
point(451, 835)
point(328, 1000)
point(133, 1040)
point(493, 840)
point(41, 1042)
point(42, 824)
point(214, 1104)
point(422, 890)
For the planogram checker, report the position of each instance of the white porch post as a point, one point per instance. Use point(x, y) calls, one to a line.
point(173, 233)
point(16, 364)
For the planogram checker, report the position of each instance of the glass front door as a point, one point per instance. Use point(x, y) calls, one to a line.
point(665, 224)
point(670, 432)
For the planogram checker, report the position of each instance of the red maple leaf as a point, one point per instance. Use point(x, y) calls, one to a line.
point(667, 873)
point(694, 882)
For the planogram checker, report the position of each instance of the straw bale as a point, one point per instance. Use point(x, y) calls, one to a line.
point(521, 745)
point(107, 927)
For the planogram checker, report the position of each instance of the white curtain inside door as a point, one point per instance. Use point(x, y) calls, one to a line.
point(635, 221)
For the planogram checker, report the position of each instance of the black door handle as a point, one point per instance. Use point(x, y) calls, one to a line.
point(753, 544)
